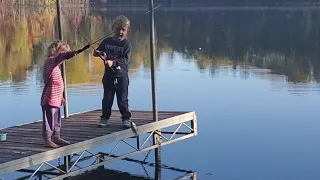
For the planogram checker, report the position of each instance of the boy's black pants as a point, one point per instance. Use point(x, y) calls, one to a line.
point(118, 85)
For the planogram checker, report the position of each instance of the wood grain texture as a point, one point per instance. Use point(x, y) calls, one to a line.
point(26, 140)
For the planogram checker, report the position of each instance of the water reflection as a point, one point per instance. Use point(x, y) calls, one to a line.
point(101, 174)
point(284, 41)
point(135, 170)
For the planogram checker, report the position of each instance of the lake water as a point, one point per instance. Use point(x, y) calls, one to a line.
point(252, 76)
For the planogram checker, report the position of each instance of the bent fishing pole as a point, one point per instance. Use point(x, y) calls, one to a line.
point(66, 16)
point(99, 53)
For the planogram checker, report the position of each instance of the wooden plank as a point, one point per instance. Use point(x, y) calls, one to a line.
point(65, 132)
point(80, 117)
point(70, 128)
point(33, 128)
point(35, 138)
point(87, 135)
point(26, 146)
point(23, 150)
point(116, 114)
point(14, 153)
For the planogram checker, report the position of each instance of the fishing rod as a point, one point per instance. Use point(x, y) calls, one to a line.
point(99, 54)
point(91, 43)
point(103, 36)
point(83, 34)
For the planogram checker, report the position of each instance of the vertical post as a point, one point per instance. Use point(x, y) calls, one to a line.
point(66, 160)
point(157, 167)
point(100, 168)
point(63, 68)
point(40, 176)
point(156, 137)
point(63, 72)
point(153, 57)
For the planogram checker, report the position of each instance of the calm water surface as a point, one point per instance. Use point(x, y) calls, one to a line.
point(252, 76)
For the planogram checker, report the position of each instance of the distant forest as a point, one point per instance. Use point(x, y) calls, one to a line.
point(210, 2)
point(181, 3)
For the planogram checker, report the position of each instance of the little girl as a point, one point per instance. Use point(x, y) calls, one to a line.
point(52, 94)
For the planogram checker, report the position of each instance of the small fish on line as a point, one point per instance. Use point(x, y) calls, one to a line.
point(134, 127)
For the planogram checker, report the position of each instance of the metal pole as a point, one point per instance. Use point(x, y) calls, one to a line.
point(156, 137)
point(153, 57)
point(67, 160)
point(63, 68)
point(157, 167)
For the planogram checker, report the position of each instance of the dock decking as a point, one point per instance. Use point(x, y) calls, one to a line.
point(24, 145)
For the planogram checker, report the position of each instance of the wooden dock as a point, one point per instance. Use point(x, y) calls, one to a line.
point(24, 146)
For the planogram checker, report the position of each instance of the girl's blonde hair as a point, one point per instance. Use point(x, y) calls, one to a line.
point(57, 46)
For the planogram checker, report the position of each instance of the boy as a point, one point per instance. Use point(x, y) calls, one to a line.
point(116, 52)
point(52, 94)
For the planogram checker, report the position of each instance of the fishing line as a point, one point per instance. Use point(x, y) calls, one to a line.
point(153, 8)
point(87, 39)
point(67, 17)
point(80, 31)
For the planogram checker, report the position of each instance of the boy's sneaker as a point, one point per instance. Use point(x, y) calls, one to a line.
point(103, 122)
point(126, 123)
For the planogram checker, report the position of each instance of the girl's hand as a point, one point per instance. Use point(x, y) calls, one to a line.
point(63, 101)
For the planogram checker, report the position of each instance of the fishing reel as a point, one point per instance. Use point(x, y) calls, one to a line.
point(102, 55)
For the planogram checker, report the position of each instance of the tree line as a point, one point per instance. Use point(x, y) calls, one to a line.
point(209, 2)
